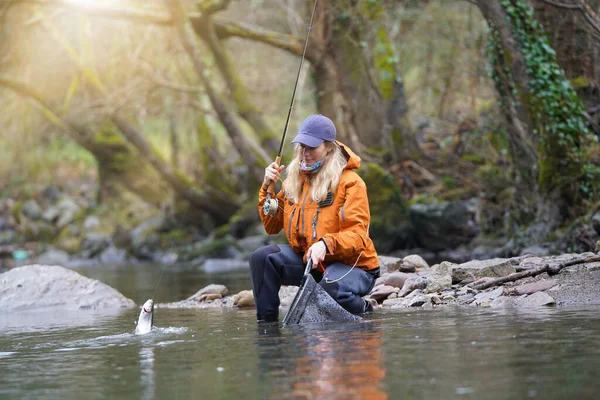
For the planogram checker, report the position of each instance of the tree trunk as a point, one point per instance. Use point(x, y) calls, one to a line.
point(575, 39)
point(361, 90)
point(205, 28)
point(545, 121)
point(254, 157)
point(120, 167)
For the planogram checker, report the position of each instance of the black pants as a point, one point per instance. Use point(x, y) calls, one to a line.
point(276, 265)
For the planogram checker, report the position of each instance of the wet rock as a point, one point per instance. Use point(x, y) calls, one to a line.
point(419, 301)
point(208, 297)
point(389, 264)
point(537, 299)
point(40, 286)
point(210, 289)
point(473, 270)
point(411, 284)
point(440, 277)
point(245, 298)
point(53, 257)
point(532, 287)
point(382, 292)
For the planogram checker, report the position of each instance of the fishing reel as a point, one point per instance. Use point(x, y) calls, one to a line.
point(270, 206)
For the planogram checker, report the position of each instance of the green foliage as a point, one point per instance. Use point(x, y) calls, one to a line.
point(556, 112)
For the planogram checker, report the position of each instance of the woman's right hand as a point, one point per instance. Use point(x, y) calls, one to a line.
point(272, 173)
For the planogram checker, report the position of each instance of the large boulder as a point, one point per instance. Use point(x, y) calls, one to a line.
point(443, 226)
point(42, 286)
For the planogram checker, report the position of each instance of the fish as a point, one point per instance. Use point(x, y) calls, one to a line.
point(146, 319)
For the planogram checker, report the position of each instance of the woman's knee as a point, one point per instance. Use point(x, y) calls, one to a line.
point(259, 256)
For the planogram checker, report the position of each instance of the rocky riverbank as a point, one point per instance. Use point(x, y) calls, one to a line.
point(526, 281)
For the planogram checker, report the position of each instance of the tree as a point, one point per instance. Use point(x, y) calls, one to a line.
point(547, 129)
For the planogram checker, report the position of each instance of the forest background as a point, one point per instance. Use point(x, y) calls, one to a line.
point(145, 127)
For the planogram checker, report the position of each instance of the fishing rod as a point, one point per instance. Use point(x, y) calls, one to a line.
point(270, 205)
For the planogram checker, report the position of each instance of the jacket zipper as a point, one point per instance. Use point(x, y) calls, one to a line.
point(342, 213)
point(314, 224)
point(303, 204)
point(291, 222)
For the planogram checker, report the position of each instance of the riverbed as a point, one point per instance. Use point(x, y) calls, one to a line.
point(466, 353)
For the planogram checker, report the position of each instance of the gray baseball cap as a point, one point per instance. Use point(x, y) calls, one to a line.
point(314, 130)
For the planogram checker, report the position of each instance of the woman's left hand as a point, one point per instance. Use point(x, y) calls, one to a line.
point(317, 253)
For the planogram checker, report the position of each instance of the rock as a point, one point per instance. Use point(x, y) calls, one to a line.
point(7, 236)
point(382, 292)
point(208, 297)
point(442, 226)
point(486, 298)
point(210, 289)
point(32, 210)
point(4, 225)
point(40, 286)
point(440, 277)
point(389, 264)
point(537, 299)
point(91, 222)
point(51, 214)
point(394, 303)
point(395, 279)
point(95, 243)
point(503, 301)
point(532, 287)
point(113, 256)
point(245, 298)
point(473, 270)
point(413, 283)
point(535, 250)
point(53, 257)
point(287, 294)
point(419, 301)
point(415, 261)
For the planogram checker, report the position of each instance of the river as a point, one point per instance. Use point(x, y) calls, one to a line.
point(447, 353)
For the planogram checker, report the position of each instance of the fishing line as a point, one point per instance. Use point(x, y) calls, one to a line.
point(271, 205)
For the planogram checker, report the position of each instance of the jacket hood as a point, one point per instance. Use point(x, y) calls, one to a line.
point(353, 159)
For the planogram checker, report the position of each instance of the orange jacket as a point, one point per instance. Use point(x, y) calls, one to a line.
point(343, 225)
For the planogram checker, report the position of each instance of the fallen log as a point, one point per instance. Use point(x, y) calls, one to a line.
point(552, 269)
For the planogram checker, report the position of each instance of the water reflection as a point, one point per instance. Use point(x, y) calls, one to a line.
point(147, 372)
point(322, 361)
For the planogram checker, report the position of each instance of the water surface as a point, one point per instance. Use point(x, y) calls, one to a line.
point(223, 354)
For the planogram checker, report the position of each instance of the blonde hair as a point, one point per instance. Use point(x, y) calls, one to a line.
point(325, 180)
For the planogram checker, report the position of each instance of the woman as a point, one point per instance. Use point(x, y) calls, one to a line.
point(324, 211)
